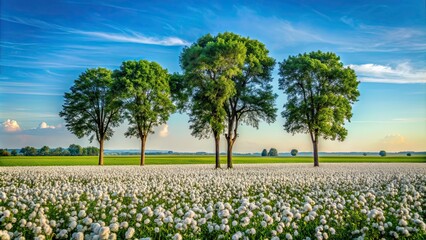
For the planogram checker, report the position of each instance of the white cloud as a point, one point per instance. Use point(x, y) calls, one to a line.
point(131, 36)
point(135, 37)
point(396, 142)
point(394, 139)
point(11, 126)
point(401, 73)
point(165, 131)
point(44, 125)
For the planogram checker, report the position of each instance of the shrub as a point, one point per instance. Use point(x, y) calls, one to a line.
point(382, 153)
point(294, 152)
point(408, 154)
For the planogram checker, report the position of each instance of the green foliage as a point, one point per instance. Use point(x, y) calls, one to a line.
point(44, 151)
point(91, 108)
point(90, 151)
point(382, 153)
point(264, 153)
point(364, 154)
point(408, 154)
point(320, 92)
point(4, 153)
point(14, 152)
point(28, 151)
point(273, 152)
point(180, 91)
point(294, 152)
point(57, 152)
point(209, 66)
point(254, 99)
point(75, 150)
point(145, 93)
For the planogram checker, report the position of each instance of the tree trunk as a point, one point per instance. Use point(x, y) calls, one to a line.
point(316, 163)
point(143, 142)
point(101, 152)
point(217, 141)
point(229, 152)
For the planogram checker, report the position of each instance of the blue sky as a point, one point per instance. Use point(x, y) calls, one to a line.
point(45, 45)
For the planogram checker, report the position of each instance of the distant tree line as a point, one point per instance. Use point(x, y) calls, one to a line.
point(72, 150)
point(273, 152)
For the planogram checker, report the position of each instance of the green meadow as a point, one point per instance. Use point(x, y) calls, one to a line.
point(193, 159)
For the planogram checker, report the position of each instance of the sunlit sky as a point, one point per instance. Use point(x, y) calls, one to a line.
point(45, 45)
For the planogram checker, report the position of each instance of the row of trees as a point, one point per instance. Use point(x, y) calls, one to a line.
point(273, 152)
point(225, 82)
point(72, 150)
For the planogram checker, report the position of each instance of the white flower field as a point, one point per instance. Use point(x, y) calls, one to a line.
point(275, 201)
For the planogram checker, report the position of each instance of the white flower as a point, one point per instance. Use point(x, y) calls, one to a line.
point(129, 233)
point(104, 232)
point(78, 236)
point(177, 236)
point(307, 207)
point(124, 225)
point(114, 227)
point(237, 235)
point(82, 214)
point(403, 223)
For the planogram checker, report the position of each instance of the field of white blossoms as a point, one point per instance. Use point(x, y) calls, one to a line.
point(277, 201)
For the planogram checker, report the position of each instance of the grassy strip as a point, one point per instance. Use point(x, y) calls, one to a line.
point(190, 159)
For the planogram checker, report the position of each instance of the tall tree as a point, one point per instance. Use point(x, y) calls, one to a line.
point(209, 66)
point(92, 108)
point(254, 99)
point(320, 93)
point(145, 94)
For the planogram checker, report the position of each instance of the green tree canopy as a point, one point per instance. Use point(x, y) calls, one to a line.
point(254, 99)
point(28, 151)
point(382, 153)
point(264, 153)
point(75, 150)
point(145, 93)
point(320, 93)
point(273, 152)
point(293, 152)
point(44, 151)
point(92, 108)
point(4, 152)
point(14, 152)
point(209, 66)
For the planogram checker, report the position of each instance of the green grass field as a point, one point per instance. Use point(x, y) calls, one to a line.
point(190, 159)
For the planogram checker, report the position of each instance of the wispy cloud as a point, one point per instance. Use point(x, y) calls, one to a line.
point(30, 88)
point(124, 36)
point(391, 121)
point(135, 38)
point(401, 73)
point(393, 140)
